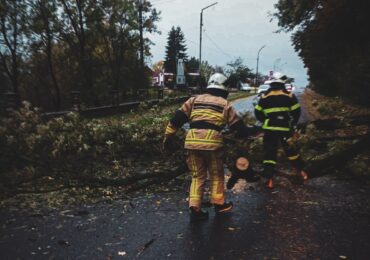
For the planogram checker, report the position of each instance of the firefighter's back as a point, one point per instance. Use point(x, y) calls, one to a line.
point(207, 118)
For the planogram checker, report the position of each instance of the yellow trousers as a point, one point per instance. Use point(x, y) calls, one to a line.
point(200, 162)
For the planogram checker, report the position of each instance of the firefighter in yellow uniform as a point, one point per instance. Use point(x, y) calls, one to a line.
point(207, 115)
point(279, 111)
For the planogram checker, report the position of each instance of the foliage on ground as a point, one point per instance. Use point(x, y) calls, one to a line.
point(59, 161)
point(335, 126)
point(72, 147)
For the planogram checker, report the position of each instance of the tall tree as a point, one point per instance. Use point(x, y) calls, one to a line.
point(331, 39)
point(175, 49)
point(108, 32)
point(238, 72)
point(206, 70)
point(50, 47)
point(43, 28)
point(116, 39)
point(149, 18)
point(158, 66)
point(192, 65)
point(12, 29)
point(74, 25)
point(4, 87)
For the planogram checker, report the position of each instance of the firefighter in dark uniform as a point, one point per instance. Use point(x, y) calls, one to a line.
point(279, 111)
point(207, 114)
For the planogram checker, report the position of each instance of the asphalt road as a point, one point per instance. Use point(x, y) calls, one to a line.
point(328, 218)
point(246, 105)
point(325, 219)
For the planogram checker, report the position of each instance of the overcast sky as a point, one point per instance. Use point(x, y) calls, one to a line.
point(232, 28)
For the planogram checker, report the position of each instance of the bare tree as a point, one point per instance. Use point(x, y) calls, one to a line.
point(43, 12)
point(11, 16)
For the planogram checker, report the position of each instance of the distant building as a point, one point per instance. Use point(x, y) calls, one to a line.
point(180, 77)
point(158, 78)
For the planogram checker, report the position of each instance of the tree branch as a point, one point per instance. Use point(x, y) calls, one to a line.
point(338, 159)
point(101, 183)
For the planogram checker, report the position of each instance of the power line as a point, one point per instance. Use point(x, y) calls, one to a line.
point(193, 42)
point(159, 2)
point(218, 47)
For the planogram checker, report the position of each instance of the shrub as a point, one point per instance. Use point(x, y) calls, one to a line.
point(74, 145)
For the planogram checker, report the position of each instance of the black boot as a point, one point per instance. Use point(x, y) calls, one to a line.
point(301, 178)
point(224, 208)
point(197, 214)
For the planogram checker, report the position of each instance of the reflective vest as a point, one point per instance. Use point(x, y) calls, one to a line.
point(278, 110)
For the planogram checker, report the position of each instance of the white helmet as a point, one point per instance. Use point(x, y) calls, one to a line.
point(216, 81)
point(278, 77)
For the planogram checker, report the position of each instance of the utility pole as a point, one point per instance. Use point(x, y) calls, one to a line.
point(258, 58)
point(200, 38)
point(141, 2)
point(175, 81)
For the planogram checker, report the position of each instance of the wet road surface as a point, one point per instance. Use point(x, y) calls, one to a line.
point(246, 105)
point(325, 219)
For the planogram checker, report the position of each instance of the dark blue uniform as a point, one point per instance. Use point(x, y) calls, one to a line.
point(279, 112)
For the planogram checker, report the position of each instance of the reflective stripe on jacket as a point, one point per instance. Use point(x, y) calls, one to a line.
point(278, 110)
point(210, 110)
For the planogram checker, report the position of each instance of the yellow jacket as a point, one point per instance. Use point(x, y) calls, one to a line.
point(208, 115)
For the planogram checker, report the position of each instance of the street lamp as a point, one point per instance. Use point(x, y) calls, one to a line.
point(200, 40)
point(258, 58)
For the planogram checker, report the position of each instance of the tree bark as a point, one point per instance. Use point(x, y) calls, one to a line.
point(79, 30)
point(11, 71)
point(49, 53)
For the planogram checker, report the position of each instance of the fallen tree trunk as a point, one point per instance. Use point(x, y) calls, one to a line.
point(339, 138)
point(336, 123)
point(104, 182)
point(338, 159)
